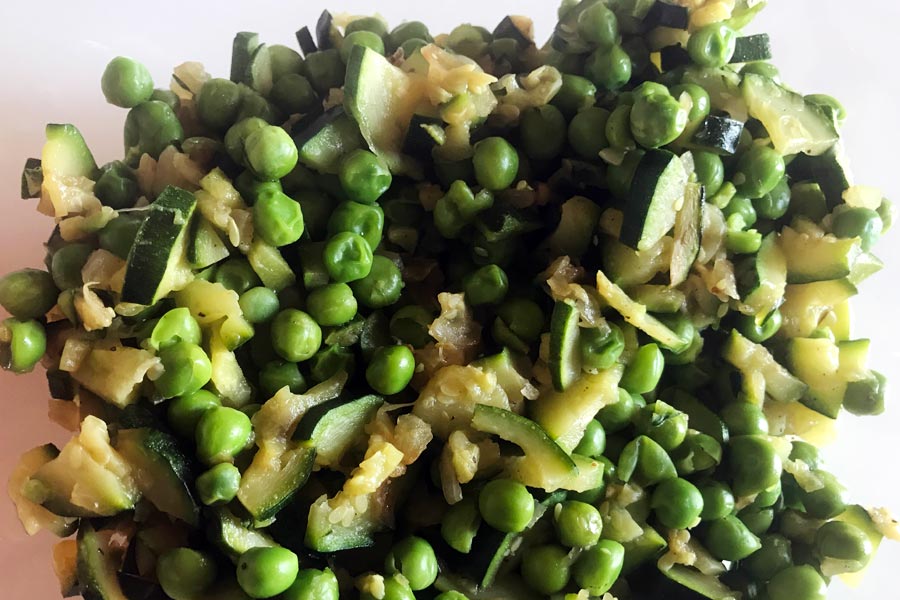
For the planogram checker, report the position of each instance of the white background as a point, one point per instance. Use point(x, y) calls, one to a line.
point(52, 53)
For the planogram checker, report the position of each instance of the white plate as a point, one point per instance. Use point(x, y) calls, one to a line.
point(52, 54)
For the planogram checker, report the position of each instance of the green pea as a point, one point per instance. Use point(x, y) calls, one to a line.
point(236, 137)
point(797, 583)
point(374, 25)
point(618, 129)
point(866, 397)
point(598, 567)
point(413, 558)
point(451, 595)
point(382, 286)
point(775, 203)
point(863, 223)
point(285, 61)
point(657, 120)
point(700, 103)
point(718, 501)
point(759, 171)
point(22, 345)
point(546, 568)
point(645, 461)
point(294, 94)
point(677, 503)
point(395, 588)
point(177, 325)
point(710, 171)
point(844, 542)
point(829, 103)
point(663, 424)
point(325, 70)
point(253, 104)
point(270, 152)
point(259, 304)
point(218, 485)
point(743, 242)
point(828, 501)
point(126, 82)
point(28, 293)
point(348, 257)
point(237, 275)
point(742, 207)
point(332, 304)
point(458, 207)
point(186, 369)
point(278, 374)
point(468, 40)
point(506, 505)
point(487, 285)
point(166, 97)
point(729, 539)
point(184, 412)
point(277, 218)
point(66, 265)
point(619, 177)
point(757, 331)
point(295, 335)
point(523, 317)
point(410, 30)
point(184, 573)
point(597, 25)
point(768, 498)
point(119, 234)
point(609, 68)
point(713, 45)
point(615, 417)
point(221, 434)
point(410, 325)
point(575, 94)
point(313, 584)
point(150, 128)
point(365, 219)
point(758, 520)
point(460, 524)
point(805, 452)
point(542, 132)
point(578, 525)
point(773, 557)
point(593, 442)
point(744, 418)
point(218, 103)
point(366, 39)
point(496, 163)
point(391, 369)
point(698, 452)
point(587, 132)
point(763, 68)
point(117, 186)
point(754, 464)
point(267, 572)
point(643, 373)
point(364, 176)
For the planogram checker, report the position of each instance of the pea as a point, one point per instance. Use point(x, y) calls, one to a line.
point(805, 452)
point(325, 70)
point(28, 293)
point(366, 39)
point(460, 524)
point(186, 369)
point(259, 304)
point(587, 132)
point(459, 207)
point(718, 501)
point(506, 505)
point(410, 325)
point(663, 424)
point(760, 331)
point(754, 464)
point(866, 397)
point(744, 418)
point(253, 104)
point(710, 171)
point(237, 275)
point(391, 369)
point(126, 82)
point(828, 501)
point(657, 120)
point(546, 569)
point(365, 219)
point(313, 584)
point(773, 557)
point(166, 97)
point(729, 539)
point(278, 374)
point(609, 68)
point(285, 61)
point(270, 152)
point(523, 317)
point(184, 412)
point(150, 128)
point(763, 68)
point(797, 583)
point(645, 370)
point(828, 103)
point(575, 94)
point(758, 520)
point(598, 567)
point(332, 304)
point(221, 434)
point(348, 257)
point(863, 223)
point(597, 25)
point(487, 285)
point(364, 177)
point(184, 573)
point(236, 137)
point(66, 265)
point(117, 186)
point(395, 588)
point(593, 443)
point(412, 45)
point(645, 461)
point(742, 207)
point(408, 31)
point(542, 132)
point(578, 525)
point(382, 286)
point(468, 40)
point(119, 234)
point(295, 335)
point(22, 344)
point(413, 558)
point(713, 45)
point(451, 595)
point(700, 102)
point(218, 485)
point(844, 542)
point(759, 171)
point(267, 572)
point(496, 163)
point(177, 325)
point(218, 103)
point(615, 417)
point(698, 452)
point(294, 94)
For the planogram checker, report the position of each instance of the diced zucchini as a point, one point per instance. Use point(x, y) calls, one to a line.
point(827, 368)
point(97, 572)
point(274, 476)
point(32, 178)
point(269, 264)
point(65, 566)
point(687, 235)
point(720, 135)
point(649, 545)
point(807, 306)
point(159, 247)
point(865, 265)
point(327, 33)
point(858, 516)
point(637, 314)
point(305, 41)
point(545, 464)
point(665, 14)
point(657, 189)
point(423, 135)
point(115, 374)
point(66, 154)
point(564, 360)
point(334, 426)
point(206, 248)
point(723, 86)
point(324, 141)
point(830, 170)
point(752, 48)
point(658, 298)
point(707, 586)
point(766, 292)
point(227, 375)
point(576, 229)
point(762, 374)
point(242, 48)
point(259, 70)
point(700, 416)
point(565, 415)
point(160, 470)
point(627, 267)
point(793, 124)
point(33, 516)
point(217, 308)
point(231, 536)
point(817, 258)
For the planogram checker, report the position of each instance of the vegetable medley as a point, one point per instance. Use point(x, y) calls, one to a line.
point(459, 316)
